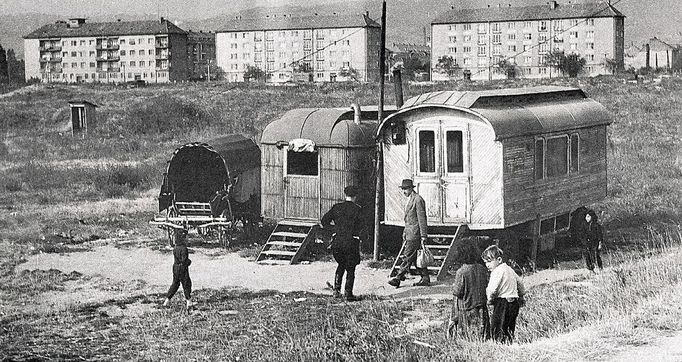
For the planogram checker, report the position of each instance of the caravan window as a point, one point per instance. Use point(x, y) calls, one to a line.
point(455, 158)
point(557, 156)
point(302, 163)
point(427, 151)
point(575, 147)
point(539, 158)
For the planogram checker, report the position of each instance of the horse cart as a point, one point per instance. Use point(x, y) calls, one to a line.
point(212, 188)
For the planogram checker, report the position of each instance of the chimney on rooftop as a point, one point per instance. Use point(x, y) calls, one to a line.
point(162, 19)
point(552, 4)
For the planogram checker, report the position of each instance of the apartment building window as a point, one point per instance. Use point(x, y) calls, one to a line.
point(527, 60)
point(542, 26)
point(527, 36)
point(467, 27)
point(574, 46)
point(91, 53)
point(74, 65)
point(573, 35)
point(141, 63)
point(589, 34)
point(512, 48)
point(234, 46)
point(482, 50)
point(73, 54)
point(543, 48)
point(497, 38)
point(482, 62)
point(66, 65)
point(319, 44)
point(466, 49)
point(246, 56)
point(307, 34)
point(452, 39)
point(452, 50)
point(466, 61)
point(132, 53)
point(481, 28)
point(542, 59)
point(511, 25)
point(574, 22)
point(269, 35)
point(589, 22)
point(558, 25)
point(452, 27)
point(345, 65)
point(319, 56)
point(131, 63)
point(122, 53)
point(319, 65)
point(511, 36)
point(150, 52)
point(526, 48)
point(269, 45)
point(542, 71)
point(589, 57)
point(497, 27)
point(497, 49)
point(589, 45)
point(74, 43)
point(542, 37)
point(527, 24)
point(467, 38)
point(258, 36)
point(482, 39)
point(92, 64)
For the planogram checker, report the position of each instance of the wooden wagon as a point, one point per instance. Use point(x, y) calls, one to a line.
point(210, 187)
point(510, 162)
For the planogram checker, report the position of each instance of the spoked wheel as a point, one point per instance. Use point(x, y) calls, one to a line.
point(172, 235)
point(224, 236)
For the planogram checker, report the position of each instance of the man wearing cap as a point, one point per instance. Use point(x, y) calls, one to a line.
point(348, 223)
point(414, 234)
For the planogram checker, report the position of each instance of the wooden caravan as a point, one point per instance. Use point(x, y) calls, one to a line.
point(492, 160)
point(308, 157)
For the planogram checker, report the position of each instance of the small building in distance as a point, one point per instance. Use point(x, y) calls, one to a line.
point(415, 58)
point(324, 46)
point(111, 52)
point(200, 54)
point(479, 39)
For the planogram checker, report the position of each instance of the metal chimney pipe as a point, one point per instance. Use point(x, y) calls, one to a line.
point(398, 86)
point(356, 113)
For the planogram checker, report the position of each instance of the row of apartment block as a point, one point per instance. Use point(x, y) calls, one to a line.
point(76, 51)
point(479, 39)
point(326, 48)
point(311, 48)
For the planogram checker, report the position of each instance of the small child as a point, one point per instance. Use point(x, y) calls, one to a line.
point(505, 293)
point(469, 317)
point(180, 270)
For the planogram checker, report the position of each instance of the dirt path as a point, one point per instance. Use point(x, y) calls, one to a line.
point(152, 269)
point(664, 349)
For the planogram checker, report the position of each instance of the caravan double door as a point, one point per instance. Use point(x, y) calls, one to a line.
point(441, 169)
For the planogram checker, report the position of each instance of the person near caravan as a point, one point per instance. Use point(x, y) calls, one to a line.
point(347, 220)
point(414, 234)
point(469, 317)
point(505, 293)
point(181, 263)
point(592, 238)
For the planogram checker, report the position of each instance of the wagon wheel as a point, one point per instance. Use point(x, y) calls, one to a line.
point(224, 236)
point(172, 235)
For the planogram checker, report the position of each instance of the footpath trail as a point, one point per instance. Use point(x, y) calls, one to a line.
point(152, 268)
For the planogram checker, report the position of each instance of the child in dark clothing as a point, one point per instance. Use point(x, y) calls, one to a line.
point(469, 317)
point(505, 293)
point(592, 239)
point(180, 270)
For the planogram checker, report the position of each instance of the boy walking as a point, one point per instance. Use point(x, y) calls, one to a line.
point(505, 293)
point(180, 270)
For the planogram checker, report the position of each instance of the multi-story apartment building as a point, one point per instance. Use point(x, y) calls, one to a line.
point(321, 48)
point(478, 39)
point(200, 53)
point(112, 52)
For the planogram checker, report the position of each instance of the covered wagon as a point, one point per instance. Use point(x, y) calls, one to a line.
point(209, 186)
point(496, 161)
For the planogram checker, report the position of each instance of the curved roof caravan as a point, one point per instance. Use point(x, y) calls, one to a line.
point(495, 159)
point(311, 154)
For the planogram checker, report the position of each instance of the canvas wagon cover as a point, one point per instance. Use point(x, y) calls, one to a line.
point(197, 170)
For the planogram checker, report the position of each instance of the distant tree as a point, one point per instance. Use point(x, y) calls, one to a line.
point(413, 65)
point(217, 73)
point(4, 74)
point(350, 73)
point(611, 65)
point(571, 64)
point(302, 67)
point(254, 74)
point(508, 68)
point(447, 65)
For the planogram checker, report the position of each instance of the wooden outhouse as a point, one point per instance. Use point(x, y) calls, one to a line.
point(309, 156)
point(83, 115)
point(519, 159)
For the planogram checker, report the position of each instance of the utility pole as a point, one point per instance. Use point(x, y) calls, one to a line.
point(208, 70)
point(380, 118)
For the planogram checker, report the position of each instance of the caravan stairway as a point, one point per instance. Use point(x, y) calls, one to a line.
point(288, 241)
point(442, 247)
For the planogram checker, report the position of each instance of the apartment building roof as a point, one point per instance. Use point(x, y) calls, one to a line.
point(274, 22)
point(62, 29)
point(656, 44)
point(549, 11)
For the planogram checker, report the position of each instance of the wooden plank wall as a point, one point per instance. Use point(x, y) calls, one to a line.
point(343, 167)
point(524, 198)
point(485, 154)
point(302, 197)
point(396, 168)
point(272, 185)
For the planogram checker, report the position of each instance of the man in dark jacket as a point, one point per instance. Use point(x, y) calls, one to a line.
point(348, 222)
point(414, 234)
point(181, 265)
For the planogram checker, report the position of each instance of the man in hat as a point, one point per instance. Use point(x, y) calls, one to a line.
point(348, 223)
point(414, 235)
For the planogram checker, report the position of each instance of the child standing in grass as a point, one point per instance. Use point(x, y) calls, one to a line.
point(180, 270)
point(469, 317)
point(592, 239)
point(505, 293)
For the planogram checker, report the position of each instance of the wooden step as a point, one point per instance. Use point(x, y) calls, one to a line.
point(278, 252)
point(289, 234)
point(438, 246)
point(297, 223)
point(285, 243)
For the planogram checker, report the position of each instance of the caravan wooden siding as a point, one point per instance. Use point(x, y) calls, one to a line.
point(342, 167)
point(526, 198)
point(272, 181)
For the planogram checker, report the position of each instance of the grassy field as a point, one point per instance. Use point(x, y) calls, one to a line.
point(59, 194)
